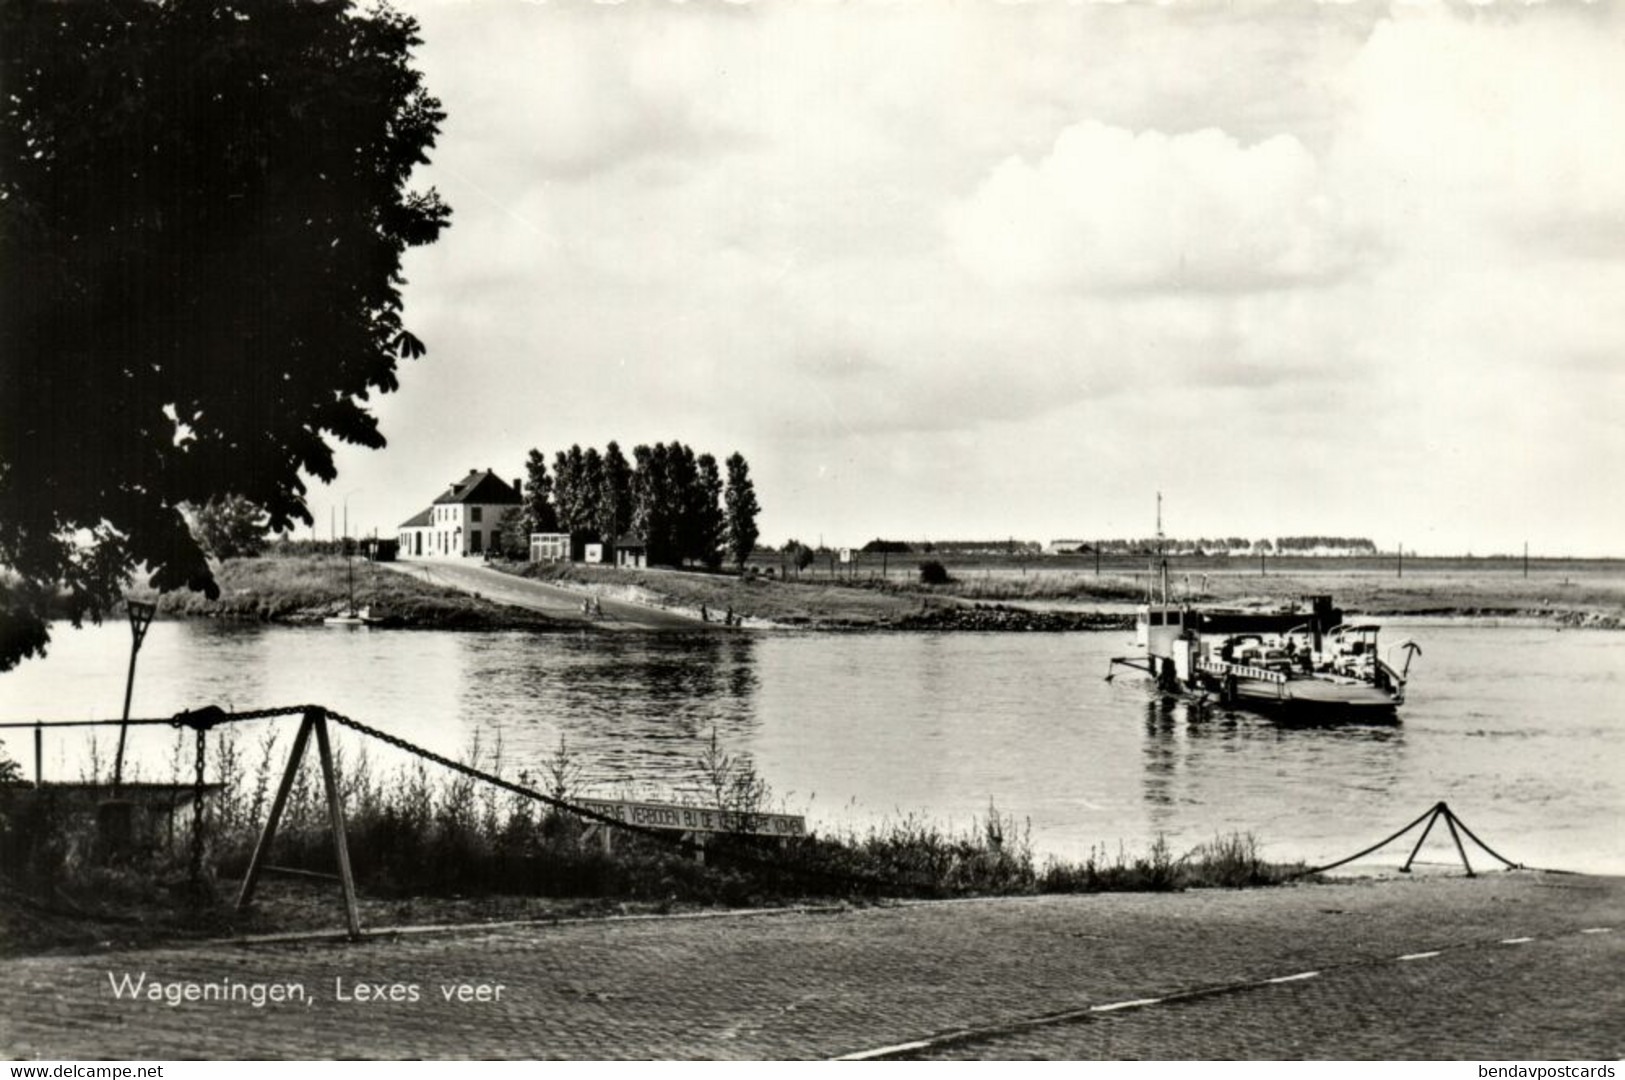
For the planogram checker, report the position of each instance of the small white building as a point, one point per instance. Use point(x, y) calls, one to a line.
point(549, 547)
point(631, 553)
point(465, 520)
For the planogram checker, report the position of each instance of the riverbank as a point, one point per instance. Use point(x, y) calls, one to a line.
point(310, 588)
point(434, 845)
point(758, 601)
point(981, 596)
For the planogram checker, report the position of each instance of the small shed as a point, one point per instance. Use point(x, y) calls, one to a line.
point(631, 552)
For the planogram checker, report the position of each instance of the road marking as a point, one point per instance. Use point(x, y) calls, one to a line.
point(969, 1036)
point(1135, 1004)
point(887, 1051)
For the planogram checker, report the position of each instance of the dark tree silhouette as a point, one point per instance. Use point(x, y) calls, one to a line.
point(203, 210)
point(742, 510)
point(539, 514)
point(712, 524)
point(615, 496)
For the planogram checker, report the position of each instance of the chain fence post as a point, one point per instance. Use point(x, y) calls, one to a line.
point(1433, 817)
point(262, 847)
point(335, 817)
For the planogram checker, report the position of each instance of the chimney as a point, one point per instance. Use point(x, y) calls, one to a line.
point(519, 485)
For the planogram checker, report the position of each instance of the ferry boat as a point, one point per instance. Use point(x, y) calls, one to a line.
point(1299, 658)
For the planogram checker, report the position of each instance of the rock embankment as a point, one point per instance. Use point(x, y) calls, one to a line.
point(1004, 619)
point(1591, 620)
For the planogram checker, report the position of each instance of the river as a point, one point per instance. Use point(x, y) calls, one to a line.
point(1517, 727)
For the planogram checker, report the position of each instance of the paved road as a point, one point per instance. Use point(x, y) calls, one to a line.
point(551, 600)
point(1512, 966)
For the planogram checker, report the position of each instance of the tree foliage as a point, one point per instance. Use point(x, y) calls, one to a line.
point(539, 515)
point(614, 494)
point(229, 527)
point(667, 496)
point(742, 510)
point(203, 210)
point(513, 533)
point(801, 555)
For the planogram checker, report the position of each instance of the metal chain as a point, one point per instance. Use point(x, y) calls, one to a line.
point(585, 813)
point(197, 811)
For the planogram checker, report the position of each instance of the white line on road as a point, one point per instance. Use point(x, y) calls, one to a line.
point(1135, 1004)
point(886, 1051)
point(997, 1031)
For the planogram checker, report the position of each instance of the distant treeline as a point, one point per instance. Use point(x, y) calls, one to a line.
point(1232, 545)
point(670, 499)
point(1226, 545)
point(955, 547)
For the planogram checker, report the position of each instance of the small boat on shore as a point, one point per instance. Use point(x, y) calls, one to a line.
point(353, 616)
point(1289, 659)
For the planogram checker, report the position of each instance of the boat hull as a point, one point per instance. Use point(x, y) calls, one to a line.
point(1314, 693)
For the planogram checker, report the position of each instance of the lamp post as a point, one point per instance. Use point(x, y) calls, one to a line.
point(140, 618)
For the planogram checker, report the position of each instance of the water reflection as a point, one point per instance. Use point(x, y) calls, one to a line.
point(637, 709)
point(1197, 754)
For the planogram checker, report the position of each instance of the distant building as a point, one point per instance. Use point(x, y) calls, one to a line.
point(1066, 547)
point(464, 520)
point(631, 552)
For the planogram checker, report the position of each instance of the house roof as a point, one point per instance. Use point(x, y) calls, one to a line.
point(421, 518)
point(480, 486)
point(629, 540)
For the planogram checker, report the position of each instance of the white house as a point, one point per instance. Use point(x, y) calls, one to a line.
point(465, 520)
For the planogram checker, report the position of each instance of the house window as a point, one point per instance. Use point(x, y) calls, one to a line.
point(474, 513)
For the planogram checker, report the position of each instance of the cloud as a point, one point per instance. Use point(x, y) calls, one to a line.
point(1109, 209)
point(1463, 129)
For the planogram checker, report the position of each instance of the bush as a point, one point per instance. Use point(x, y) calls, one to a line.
point(933, 572)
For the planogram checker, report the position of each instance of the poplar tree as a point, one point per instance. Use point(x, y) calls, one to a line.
point(742, 510)
point(540, 516)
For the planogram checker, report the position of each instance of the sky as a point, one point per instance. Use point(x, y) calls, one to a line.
point(981, 270)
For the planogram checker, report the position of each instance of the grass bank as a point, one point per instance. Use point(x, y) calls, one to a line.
point(433, 846)
point(1576, 592)
point(309, 588)
point(810, 603)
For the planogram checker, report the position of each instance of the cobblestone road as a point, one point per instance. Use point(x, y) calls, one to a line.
point(822, 985)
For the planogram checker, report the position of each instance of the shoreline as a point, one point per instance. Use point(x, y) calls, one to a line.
point(299, 591)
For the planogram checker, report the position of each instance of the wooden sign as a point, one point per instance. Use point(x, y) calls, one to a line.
point(697, 819)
